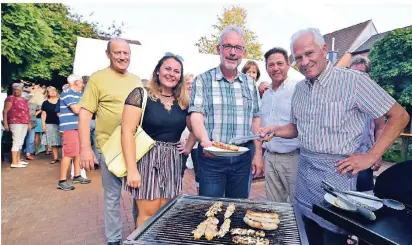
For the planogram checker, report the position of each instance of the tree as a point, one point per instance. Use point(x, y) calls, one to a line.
point(39, 41)
point(232, 16)
point(391, 59)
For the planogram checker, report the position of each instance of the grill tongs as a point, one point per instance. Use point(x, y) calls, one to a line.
point(239, 140)
point(348, 201)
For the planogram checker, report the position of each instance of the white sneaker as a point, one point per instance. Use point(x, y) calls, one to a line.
point(24, 163)
point(19, 165)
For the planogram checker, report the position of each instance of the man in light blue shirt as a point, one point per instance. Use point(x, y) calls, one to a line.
point(281, 155)
point(224, 104)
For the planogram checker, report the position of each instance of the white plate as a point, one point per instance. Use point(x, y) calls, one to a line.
point(335, 202)
point(225, 153)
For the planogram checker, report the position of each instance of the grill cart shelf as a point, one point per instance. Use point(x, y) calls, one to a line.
point(175, 221)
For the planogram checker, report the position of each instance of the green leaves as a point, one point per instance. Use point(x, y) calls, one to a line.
point(21, 33)
point(391, 59)
point(39, 40)
point(232, 16)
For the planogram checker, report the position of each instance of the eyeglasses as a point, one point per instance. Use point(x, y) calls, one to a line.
point(228, 47)
point(169, 54)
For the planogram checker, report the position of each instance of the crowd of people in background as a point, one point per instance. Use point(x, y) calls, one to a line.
point(320, 128)
point(32, 115)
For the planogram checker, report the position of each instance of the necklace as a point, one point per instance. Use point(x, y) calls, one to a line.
point(167, 95)
point(167, 101)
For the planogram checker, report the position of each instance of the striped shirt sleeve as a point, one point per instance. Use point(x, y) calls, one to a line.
point(292, 114)
point(371, 98)
point(256, 103)
point(70, 98)
point(196, 103)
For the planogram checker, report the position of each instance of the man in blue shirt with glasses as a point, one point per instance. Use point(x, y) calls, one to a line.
point(224, 104)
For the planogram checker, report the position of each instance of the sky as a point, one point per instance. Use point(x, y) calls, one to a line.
point(175, 26)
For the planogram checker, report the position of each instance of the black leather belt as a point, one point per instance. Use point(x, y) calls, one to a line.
point(244, 144)
point(297, 150)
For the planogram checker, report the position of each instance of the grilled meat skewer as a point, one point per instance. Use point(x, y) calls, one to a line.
point(208, 226)
point(247, 232)
point(200, 230)
point(247, 240)
point(211, 228)
point(224, 228)
point(230, 210)
point(214, 209)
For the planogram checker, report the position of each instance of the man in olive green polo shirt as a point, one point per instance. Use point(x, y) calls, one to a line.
point(104, 95)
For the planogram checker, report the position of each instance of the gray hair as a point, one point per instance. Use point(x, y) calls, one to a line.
point(109, 43)
point(313, 31)
point(73, 78)
point(361, 60)
point(232, 28)
point(17, 85)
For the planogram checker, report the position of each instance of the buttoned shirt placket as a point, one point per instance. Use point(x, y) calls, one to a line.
point(232, 106)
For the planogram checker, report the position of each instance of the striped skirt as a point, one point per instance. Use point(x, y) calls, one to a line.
point(160, 170)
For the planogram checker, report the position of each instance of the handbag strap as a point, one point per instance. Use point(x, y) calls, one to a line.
point(144, 102)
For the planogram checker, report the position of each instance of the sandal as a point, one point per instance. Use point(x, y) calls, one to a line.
point(54, 161)
point(48, 153)
point(29, 157)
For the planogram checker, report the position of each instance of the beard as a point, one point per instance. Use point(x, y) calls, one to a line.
point(227, 65)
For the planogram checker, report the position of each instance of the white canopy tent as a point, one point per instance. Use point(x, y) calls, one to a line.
point(90, 56)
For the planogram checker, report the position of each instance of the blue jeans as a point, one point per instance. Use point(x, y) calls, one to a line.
point(193, 154)
point(93, 137)
point(252, 151)
point(29, 141)
point(225, 176)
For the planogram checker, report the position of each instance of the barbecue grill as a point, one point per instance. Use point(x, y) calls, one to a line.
point(175, 221)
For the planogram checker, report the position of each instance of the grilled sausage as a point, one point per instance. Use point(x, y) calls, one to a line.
point(225, 146)
point(262, 214)
point(263, 219)
point(263, 225)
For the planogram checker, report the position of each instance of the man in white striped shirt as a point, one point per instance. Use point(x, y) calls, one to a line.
point(373, 130)
point(281, 155)
point(328, 110)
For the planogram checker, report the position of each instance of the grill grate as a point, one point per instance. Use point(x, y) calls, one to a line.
point(174, 224)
